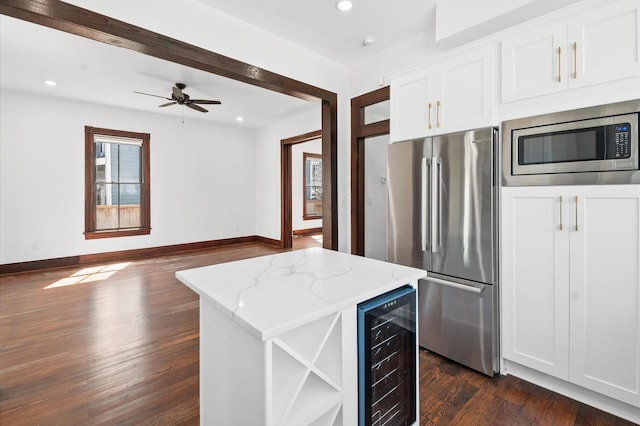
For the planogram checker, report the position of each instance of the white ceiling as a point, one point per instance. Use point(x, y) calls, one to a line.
point(90, 71)
point(320, 27)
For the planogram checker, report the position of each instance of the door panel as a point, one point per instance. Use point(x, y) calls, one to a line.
point(535, 276)
point(605, 293)
point(408, 210)
point(458, 323)
point(464, 223)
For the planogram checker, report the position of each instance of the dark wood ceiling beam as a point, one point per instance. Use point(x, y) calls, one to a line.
point(85, 23)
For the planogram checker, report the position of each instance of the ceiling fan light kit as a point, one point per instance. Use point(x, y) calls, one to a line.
point(180, 98)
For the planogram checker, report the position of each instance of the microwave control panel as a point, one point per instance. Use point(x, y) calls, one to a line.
point(621, 146)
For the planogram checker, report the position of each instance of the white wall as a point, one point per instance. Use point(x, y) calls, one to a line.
point(367, 74)
point(202, 178)
point(267, 182)
point(297, 182)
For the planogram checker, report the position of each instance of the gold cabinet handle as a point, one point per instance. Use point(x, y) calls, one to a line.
point(576, 213)
point(438, 114)
point(575, 60)
point(429, 115)
point(559, 77)
point(561, 213)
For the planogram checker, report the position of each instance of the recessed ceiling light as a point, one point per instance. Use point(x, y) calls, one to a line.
point(50, 82)
point(344, 5)
point(368, 40)
point(239, 118)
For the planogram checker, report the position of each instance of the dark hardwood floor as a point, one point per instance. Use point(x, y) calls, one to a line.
point(118, 344)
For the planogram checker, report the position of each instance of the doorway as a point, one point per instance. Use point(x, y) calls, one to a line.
point(286, 185)
point(369, 128)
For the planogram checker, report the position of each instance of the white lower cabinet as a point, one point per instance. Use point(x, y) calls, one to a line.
point(571, 284)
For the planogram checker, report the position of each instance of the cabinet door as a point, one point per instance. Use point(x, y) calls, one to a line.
point(605, 291)
point(604, 44)
point(534, 63)
point(464, 87)
point(411, 111)
point(535, 279)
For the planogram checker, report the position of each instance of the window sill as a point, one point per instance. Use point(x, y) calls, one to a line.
point(94, 235)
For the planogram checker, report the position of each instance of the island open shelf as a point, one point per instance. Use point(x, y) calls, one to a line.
point(278, 335)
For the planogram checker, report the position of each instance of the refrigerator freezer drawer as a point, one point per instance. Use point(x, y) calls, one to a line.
point(457, 322)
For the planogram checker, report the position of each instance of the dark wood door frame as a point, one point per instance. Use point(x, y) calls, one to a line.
point(359, 133)
point(85, 23)
point(286, 190)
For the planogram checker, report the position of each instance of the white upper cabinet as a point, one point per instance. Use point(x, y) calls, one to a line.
point(591, 48)
point(452, 95)
point(410, 107)
point(604, 44)
point(534, 63)
point(464, 91)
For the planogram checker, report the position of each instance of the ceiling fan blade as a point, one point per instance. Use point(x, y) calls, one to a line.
point(205, 101)
point(156, 96)
point(168, 103)
point(177, 93)
point(196, 107)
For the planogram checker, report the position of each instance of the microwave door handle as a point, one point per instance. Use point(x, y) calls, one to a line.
point(426, 163)
point(435, 203)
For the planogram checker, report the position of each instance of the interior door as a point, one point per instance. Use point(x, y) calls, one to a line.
point(463, 205)
point(376, 196)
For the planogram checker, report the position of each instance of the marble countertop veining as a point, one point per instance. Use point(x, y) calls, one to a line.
point(270, 295)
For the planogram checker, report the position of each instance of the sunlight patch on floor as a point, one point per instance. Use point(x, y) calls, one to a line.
point(88, 275)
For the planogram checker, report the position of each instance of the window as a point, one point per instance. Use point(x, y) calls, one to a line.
point(312, 205)
point(116, 183)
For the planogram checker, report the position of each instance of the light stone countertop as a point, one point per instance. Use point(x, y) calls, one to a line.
point(273, 294)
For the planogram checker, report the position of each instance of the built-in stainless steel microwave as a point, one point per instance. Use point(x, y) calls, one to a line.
point(587, 146)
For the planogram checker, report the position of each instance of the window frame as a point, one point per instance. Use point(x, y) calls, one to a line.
point(305, 156)
point(90, 231)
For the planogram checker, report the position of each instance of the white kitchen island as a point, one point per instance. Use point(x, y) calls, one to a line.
point(278, 335)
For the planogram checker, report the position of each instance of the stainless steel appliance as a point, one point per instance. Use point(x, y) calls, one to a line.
point(586, 146)
point(443, 218)
point(387, 359)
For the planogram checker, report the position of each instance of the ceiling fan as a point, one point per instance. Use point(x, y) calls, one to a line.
point(181, 98)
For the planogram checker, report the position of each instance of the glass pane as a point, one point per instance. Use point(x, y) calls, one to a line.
point(106, 162)
point(312, 185)
point(130, 193)
point(130, 205)
point(106, 206)
point(130, 163)
point(377, 112)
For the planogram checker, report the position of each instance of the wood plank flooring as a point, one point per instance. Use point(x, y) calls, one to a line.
point(118, 344)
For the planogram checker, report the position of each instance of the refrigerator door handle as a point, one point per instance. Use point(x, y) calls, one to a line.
point(469, 288)
point(426, 163)
point(435, 203)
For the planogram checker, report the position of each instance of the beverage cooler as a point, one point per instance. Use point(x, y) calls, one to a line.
point(387, 359)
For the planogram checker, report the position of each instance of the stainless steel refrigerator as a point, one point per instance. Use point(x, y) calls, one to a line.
point(442, 217)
